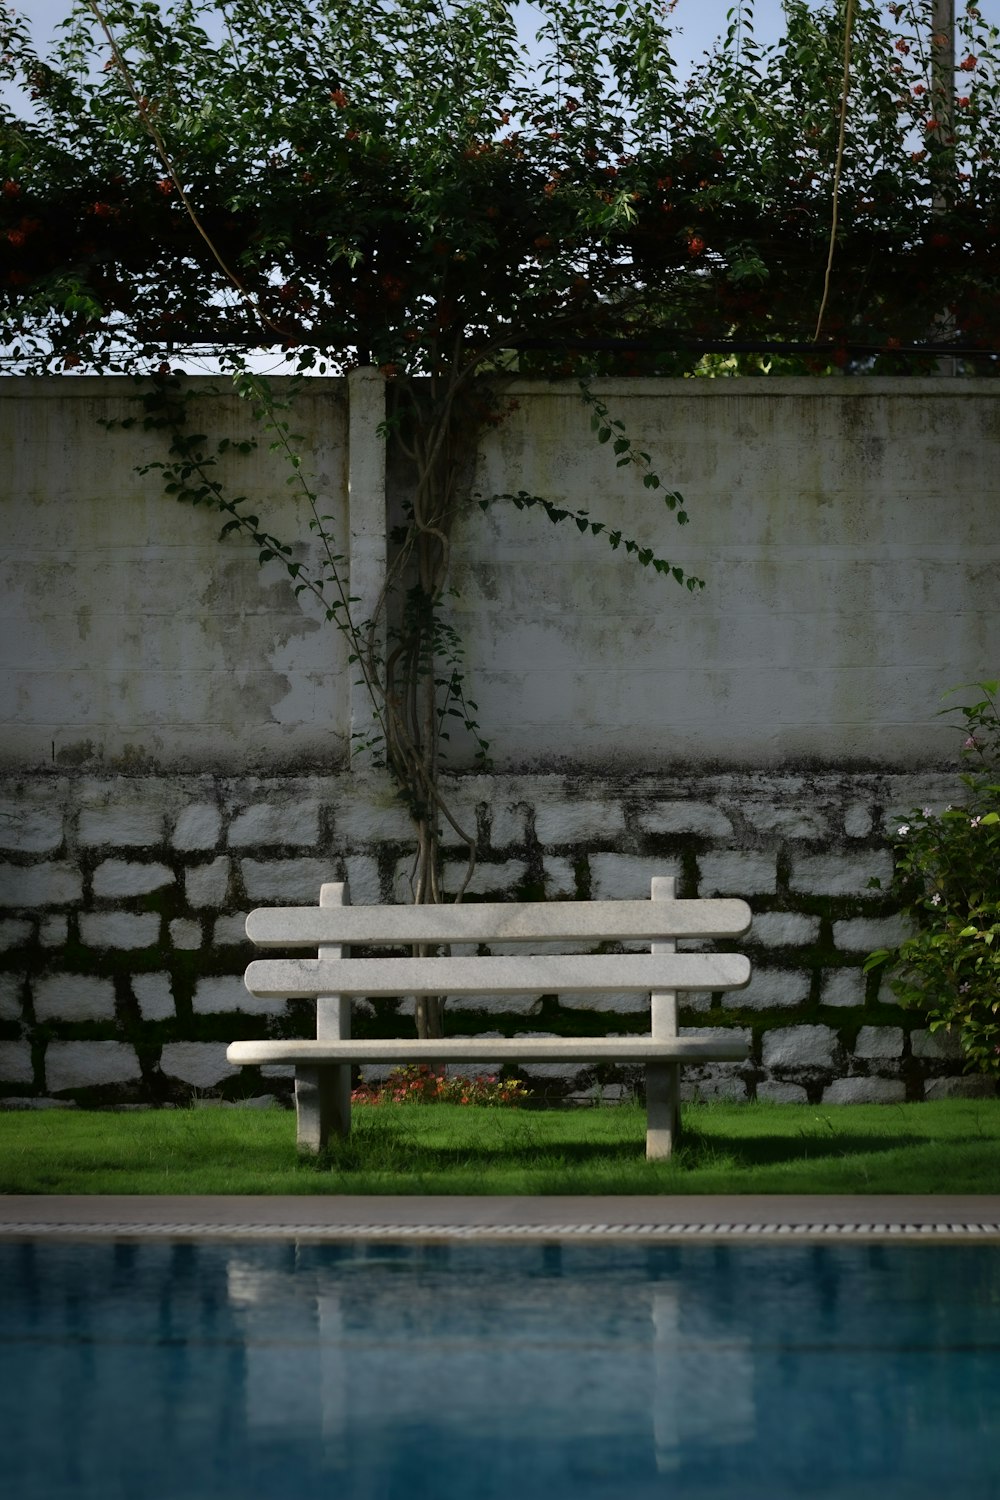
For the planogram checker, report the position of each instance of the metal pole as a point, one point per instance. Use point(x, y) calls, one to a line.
point(942, 139)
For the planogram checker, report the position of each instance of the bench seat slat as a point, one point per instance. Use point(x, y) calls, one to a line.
point(304, 978)
point(500, 922)
point(618, 1049)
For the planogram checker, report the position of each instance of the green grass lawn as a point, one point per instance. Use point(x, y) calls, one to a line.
point(943, 1147)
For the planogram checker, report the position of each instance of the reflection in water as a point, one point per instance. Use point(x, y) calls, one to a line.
point(379, 1372)
point(702, 1388)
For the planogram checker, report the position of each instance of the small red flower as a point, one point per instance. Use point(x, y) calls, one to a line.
point(902, 46)
point(962, 101)
point(969, 64)
point(338, 98)
point(696, 245)
point(16, 236)
point(165, 186)
point(11, 189)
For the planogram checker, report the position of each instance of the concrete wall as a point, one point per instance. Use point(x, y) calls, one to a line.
point(175, 722)
point(846, 532)
point(845, 528)
point(128, 635)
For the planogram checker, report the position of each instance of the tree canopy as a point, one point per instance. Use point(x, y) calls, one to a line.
point(417, 185)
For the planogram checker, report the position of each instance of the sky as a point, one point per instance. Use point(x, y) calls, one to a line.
point(697, 22)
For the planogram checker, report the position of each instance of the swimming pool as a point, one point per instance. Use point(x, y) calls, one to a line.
point(166, 1371)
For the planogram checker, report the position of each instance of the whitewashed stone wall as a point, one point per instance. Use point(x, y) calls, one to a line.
point(123, 946)
point(174, 721)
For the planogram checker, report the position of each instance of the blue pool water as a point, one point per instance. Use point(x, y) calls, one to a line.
point(143, 1371)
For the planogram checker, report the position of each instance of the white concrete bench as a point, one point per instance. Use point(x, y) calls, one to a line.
point(322, 1067)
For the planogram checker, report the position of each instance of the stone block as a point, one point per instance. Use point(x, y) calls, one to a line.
point(783, 929)
point(697, 1000)
point(10, 997)
point(74, 997)
point(740, 1034)
point(201, 1064)
point(858, 821)
point(363, 880)
point(842, 987)
point(51, 884)
point(278, 822)
point(840, 874)
point(208, 884)
point(228, 992)
point(737, 874)
point(865, 1091)
point(566, 1071)
point(879, 1042)
point(776, 1092)
point(81, 1065)
point(119, 929)
point(370, 816)
point(509, 824)
point(865, 934)
point(466, 814)
point(123, 877)
point(943, 1046)
point(578, 822)
point(621, 877)
point(699, 818)
point(772, 989)
point(295, 881)
point(716, 1081)
point(24, 1102)
point(14, 933)
point(153, 992)
point(15, 1063)
point(787, 822)
point(185, 934)
point(493, 877)
point(559, 876)
point(231, 931)
point(53, 931)
point(120, 826)
point(799, 1047)
point(487, 1005)
point(618, 1002)
point(197, 827)
point(971, 1086)
point(27, 829)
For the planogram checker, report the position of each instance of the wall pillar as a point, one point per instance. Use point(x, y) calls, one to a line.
point(367, 538)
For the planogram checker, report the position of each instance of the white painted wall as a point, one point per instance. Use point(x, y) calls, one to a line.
point(847, 532)
point(129, 635)
point(846, 529)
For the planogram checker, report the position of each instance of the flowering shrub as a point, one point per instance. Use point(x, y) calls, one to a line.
point(417, 1083)
point(948, 878)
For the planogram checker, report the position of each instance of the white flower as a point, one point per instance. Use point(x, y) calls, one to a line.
point(936, 899)
point(903, 830)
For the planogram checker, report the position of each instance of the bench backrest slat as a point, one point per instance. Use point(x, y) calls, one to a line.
point(303, 978)
point(498, 922)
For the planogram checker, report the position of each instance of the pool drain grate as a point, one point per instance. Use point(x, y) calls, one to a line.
point(659, 1232)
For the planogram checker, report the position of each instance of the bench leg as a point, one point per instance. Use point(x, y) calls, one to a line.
point(663, 1109)
point(322, 1106)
